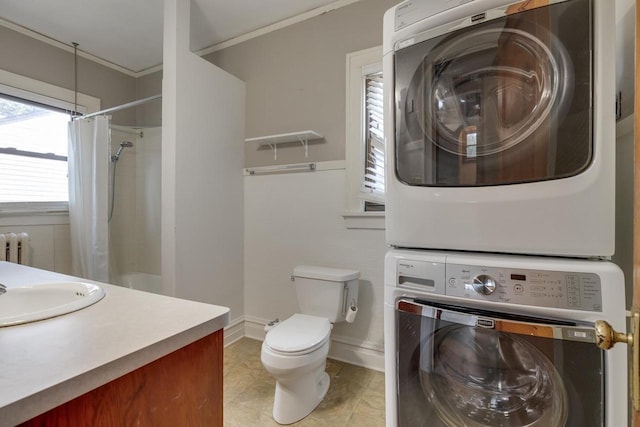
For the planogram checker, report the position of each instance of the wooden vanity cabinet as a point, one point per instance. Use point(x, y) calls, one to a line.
point(183, 388)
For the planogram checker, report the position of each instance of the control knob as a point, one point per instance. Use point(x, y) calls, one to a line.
point(484, 284)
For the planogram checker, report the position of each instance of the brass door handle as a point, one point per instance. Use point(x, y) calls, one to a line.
point(607, 337)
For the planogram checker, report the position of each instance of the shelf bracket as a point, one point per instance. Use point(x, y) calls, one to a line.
point(303, 137)
point(274, 147)
point(305, 143)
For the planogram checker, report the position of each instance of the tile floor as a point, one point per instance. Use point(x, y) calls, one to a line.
point(355, 397)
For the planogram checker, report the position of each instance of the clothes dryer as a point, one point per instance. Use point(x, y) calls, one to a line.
point(502, 126)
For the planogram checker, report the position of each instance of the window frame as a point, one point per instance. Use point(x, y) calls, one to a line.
point(358, 65)
point(48, 94)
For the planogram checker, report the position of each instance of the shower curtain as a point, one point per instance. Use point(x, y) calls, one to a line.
point(89, 146)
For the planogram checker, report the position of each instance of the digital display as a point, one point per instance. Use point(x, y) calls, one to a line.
point(520, 277)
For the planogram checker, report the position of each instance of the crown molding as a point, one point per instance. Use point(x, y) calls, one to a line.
point(219, 46)
point(66, 47)
point(276, 26)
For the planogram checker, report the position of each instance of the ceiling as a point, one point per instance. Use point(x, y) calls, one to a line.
point(129, 33)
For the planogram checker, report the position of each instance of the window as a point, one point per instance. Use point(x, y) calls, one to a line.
point(365, 140)
point(33, 143)
point(33, 152)
point(373, 130)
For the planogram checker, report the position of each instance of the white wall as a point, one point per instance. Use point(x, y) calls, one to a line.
point(202, 158)
point(50, 240)
point(148, 201)
point(296, 218)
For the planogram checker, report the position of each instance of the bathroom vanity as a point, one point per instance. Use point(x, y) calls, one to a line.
point(133, 358)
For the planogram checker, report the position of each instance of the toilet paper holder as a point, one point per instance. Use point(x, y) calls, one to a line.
point(352, 312)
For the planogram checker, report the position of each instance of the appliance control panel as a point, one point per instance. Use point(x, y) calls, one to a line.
point(559, 289)
point(412, 11)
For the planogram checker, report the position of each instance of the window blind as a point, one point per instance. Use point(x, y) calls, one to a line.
point(33, 152)
point(373, 185)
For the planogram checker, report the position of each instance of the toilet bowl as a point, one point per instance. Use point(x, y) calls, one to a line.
point(295, 353)
point(295, 350)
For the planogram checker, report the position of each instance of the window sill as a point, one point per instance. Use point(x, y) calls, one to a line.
point(364, 220)
point(47, 213)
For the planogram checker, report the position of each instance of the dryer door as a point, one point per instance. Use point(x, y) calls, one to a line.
point(502, 102)
point(466, 367)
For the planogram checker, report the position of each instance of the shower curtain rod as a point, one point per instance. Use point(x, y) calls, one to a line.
point(121, 107)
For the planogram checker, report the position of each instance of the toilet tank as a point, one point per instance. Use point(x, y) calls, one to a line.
point(326, 292)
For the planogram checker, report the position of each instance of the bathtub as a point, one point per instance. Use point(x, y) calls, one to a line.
point(141, 281)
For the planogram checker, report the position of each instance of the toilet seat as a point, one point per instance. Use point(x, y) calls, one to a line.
point(299, 334)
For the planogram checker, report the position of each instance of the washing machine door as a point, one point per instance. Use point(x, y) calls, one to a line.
point(459, 367)
point(504, 101)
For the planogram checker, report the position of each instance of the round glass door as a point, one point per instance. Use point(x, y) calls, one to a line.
point(482, 377)
point(503, 81)
point(507, 100)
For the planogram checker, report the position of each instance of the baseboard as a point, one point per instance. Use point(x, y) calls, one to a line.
point(254, 327)
point(367, 354)
point(360, 353)
point(234, 331)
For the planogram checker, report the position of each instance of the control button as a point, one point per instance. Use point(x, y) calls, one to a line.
point(518, 288)
point(452, 281)
point(484, 284)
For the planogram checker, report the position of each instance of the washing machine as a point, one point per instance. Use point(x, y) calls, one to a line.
point(501, 133)
point(498, 340)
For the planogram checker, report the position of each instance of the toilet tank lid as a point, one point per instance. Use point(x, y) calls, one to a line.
point(325, 273)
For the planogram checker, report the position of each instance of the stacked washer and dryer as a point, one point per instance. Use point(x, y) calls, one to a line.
point(500, 214)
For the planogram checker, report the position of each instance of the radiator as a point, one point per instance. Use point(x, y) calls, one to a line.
point(16, 248)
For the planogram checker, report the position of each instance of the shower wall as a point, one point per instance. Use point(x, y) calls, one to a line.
point(148, 182)
point(135, 224)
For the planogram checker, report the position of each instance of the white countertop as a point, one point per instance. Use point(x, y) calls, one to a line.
point(45, 364)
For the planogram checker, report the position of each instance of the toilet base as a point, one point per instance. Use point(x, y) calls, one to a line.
point(294, 400)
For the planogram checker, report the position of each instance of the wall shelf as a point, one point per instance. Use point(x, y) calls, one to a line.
point(272, 141)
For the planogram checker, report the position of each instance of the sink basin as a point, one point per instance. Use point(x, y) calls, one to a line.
point(38, 302)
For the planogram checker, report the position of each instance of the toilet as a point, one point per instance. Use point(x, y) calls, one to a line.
point(295, 350)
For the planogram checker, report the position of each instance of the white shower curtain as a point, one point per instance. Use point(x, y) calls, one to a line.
point(89, 142)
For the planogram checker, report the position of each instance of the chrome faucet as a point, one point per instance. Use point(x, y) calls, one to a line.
point(3, 289)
